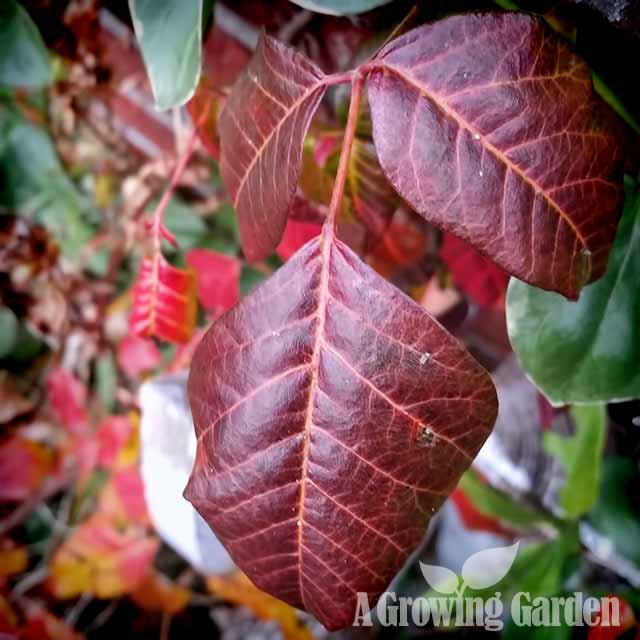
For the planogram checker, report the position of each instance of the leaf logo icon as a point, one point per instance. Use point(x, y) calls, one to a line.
point(441, 579)
point(489, 566)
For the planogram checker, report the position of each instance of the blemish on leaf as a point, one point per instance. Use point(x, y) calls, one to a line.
point(425, 437)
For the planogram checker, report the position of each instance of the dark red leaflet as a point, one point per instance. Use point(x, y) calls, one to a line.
point(488, 125)
point(262, 128)
point(334, 416)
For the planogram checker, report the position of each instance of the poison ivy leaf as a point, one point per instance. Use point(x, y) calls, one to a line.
point(585, 351)
point(164, 302)
point(479, 278)
point(24, 61)
point(330, 429)
point(217, 278)
point(169, 33)
point(24, 464)
point(340, 7)
point(68, 400)
point(373, 199)
point(296, 235)
point(506, 146)
point(137, 356)
point(580, 456)
point(262, 129)
point(102, 559)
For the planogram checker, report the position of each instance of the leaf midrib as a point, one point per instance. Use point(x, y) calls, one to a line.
point(499, 155)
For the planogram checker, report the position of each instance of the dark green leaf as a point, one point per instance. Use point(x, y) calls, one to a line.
point(36, 185)
point(8, 331)
point(24, 61)
point(169, 33)
point(580, 456)
point(614, 514)
point(585, 351)
point(185, 224)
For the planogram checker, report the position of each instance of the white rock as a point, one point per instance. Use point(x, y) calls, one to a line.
point(168, 451)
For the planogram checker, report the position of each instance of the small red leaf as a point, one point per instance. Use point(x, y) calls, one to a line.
point(204, 108)
point(262, 129)
point(164, 303)
point(24, 464)
point(137, 355)
point(217, 278)
point(506, 146)
point(113, 433)
point(477, 276)
point(68, 400)
point(296, 235)
point(333, 416)
point(476, 520)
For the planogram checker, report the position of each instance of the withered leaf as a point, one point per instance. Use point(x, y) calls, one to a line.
point(333, 416)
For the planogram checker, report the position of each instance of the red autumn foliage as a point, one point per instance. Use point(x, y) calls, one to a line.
point(217, 279)
point(137, 355)
point(164, 302)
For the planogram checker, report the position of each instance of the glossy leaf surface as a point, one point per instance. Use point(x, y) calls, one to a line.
point(262, 129)
point(585, 351)
point(330, 429)
point(489, 127)
point(169, 34)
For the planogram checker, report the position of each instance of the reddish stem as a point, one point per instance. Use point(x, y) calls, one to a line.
point(158, 215)
point(357, 84)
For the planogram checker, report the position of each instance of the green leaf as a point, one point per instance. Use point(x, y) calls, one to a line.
point(24, 60)
point(106, 380)
point(585, 351)
point(169, 33)
point(8, 331)
point(36, 185)
point(615, 515)
point(496, 504)
point(340, 7)
point(185, 224)
point(250, 278)
point(580, 456)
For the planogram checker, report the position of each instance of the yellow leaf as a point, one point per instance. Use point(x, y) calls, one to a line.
point(237, 588)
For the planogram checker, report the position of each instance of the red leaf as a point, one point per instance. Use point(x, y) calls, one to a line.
point(476, 520)
point(164, 302)
point(296, 235)
point(404, 243)
point(262, 129)
point(113, 433)
point(204, 109)
point(477, 276)
point(137, 355)
point(506, 146)
point(334, 416)
point(68, 400)
point(24, 465)
point(217, 278)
